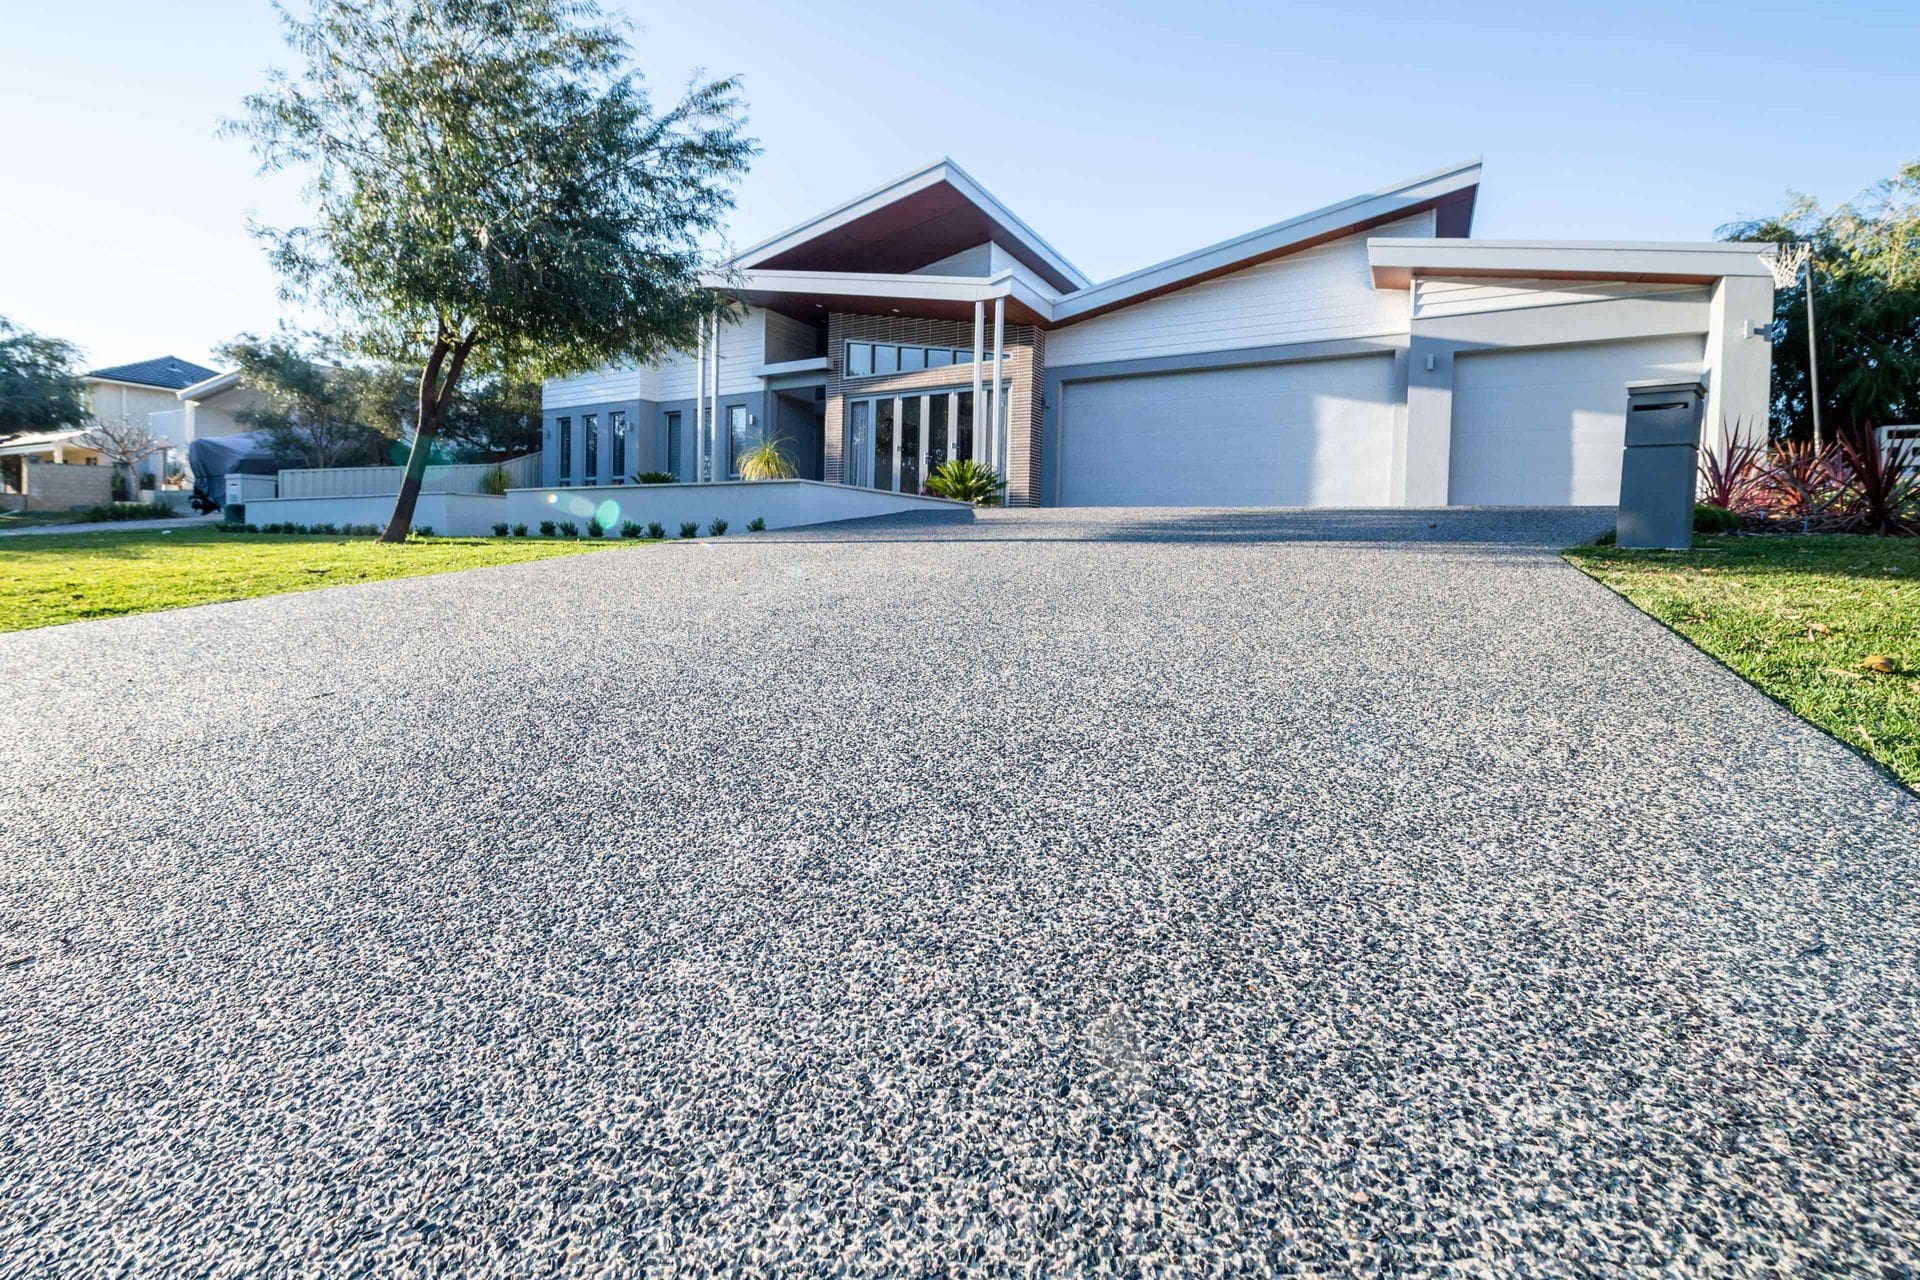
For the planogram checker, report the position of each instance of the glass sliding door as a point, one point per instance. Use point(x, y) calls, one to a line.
point(911, 422)
point(939, 429)
point(884, 452)
point(859, 445)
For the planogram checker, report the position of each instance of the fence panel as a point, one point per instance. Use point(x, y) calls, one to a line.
point(379, 482)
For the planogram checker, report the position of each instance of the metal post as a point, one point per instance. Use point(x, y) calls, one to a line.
point(1000, 451)
point(700, 404)
point(1813, 363)
point(713, 405)
point(979, 405)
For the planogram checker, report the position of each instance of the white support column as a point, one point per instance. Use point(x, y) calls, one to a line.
point(700, 404)
point(926, 436)
point(997, 435)
point(713, 407)
point(979, 405)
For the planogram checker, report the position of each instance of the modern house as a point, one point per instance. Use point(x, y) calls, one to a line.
point(1370, 353)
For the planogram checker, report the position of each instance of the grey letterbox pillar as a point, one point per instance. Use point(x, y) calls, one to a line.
point(1658, 468)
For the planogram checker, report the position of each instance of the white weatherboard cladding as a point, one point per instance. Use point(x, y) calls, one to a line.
point(1313, 433)
point(1317, 294)
point(1435, 298)
point(743, 347)
point(1544, 427)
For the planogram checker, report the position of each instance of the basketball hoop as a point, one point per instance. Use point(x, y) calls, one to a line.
point(1786, 261)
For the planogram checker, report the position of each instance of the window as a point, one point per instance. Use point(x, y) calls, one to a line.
point(563, 428)
point(875, 359)
point(590, 427)
point(737, 442)
point(673, 444)
point(617, 444)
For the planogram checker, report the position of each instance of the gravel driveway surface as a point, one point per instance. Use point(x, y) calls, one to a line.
point(1068, 893)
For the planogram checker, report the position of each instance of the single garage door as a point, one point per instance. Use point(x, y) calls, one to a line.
point(1544, 427)
point(1315, 433)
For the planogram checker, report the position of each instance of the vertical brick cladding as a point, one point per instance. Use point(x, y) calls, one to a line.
point(1024, 369)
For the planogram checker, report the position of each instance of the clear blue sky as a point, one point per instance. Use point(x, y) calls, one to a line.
point(1124, 133)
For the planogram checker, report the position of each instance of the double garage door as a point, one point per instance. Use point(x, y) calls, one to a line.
point(1315, 433)
point(1536, 427)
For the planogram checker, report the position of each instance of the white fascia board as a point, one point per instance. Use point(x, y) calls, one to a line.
point(941, 170)
point(1396, 260)
point(813, 364)
point(209, 387)
point(1272, 239)
point(865, 285)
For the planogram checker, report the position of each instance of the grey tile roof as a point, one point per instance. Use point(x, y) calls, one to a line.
point(170, 372)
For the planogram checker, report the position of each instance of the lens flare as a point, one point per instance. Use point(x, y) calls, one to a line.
point(552, 499)
point(579, 507)
point(607, 513)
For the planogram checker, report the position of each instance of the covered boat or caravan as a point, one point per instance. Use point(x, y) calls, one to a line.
point(214, 458)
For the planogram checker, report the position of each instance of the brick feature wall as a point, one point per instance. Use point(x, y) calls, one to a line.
point(53, 486)
point(1023, 369)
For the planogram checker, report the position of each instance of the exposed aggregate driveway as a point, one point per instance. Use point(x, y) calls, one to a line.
point(1065, 894)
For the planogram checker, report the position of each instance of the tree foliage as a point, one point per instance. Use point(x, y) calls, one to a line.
point(1866, 296)
point(40, 386)
point(492, 191)
point(314, 413)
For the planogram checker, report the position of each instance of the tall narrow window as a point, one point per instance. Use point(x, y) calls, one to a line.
point(737, 442)
point(674, 462)
point(563, 428)
point(590, 427)
point(617, 446)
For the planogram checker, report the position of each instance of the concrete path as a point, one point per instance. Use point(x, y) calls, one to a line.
point(1069, 893)
point(112, 526)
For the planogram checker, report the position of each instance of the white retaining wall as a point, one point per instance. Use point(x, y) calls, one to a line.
point(463, 514)
point(783, 504)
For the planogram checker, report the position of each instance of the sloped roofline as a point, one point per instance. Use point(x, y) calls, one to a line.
point(1370, 208)
point(941, 170)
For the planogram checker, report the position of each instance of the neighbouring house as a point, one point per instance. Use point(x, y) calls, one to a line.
point(1370, 353)
point(144, 392)
point(211, 406)
point(52, 471)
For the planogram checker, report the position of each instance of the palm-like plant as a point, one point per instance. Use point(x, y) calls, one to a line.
point(767, 460)
point(1885, 485)
point(1732, 471)
point(964, 480)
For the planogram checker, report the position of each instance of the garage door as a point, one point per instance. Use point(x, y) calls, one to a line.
point(1316, 433)
point(1544, 427)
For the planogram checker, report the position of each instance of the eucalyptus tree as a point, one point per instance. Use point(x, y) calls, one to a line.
point(492, 192)
point(40, 386)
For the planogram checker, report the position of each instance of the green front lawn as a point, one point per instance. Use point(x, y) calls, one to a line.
point(52, 578)
point(1828, 626)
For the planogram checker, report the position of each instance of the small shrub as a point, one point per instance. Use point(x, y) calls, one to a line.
point(548, 528)
point(568, 529)
point(125, 511)
point(250, 528)
point(718, 529)
point(230, 526)
point(765, 459)
point(519, 531)
point(690, 529)
point(328, 529)
point(656, 530)
point(1709, 518)
point(964, 480)
point(423, 531)
point(595, 529)
point(500, 530)
point(757, 525)
point(656, 477)
point(629, 529)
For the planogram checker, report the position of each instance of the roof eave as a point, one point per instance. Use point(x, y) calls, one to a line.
point(1277, 240)
point(1395, 261)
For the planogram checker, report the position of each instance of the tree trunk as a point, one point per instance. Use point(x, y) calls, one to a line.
point(436, 393)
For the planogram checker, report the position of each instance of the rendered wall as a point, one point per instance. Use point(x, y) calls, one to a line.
point(783, 504)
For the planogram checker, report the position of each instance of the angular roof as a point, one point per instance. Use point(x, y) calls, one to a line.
point(1395, 261)
point(170, 373)
point(932, 213)
point(875, 248)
